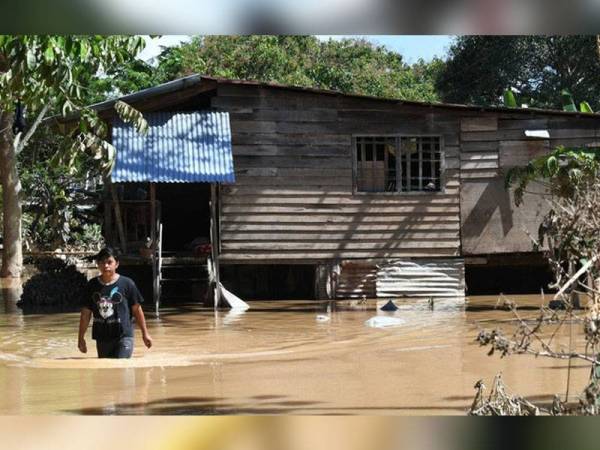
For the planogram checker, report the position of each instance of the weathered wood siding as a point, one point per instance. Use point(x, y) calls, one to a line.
point(293, 197)
point(490, 145)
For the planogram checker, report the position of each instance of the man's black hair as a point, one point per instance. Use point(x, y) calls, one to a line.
point(106, 252)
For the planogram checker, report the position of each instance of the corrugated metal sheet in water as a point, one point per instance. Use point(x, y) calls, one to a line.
point(178, 148)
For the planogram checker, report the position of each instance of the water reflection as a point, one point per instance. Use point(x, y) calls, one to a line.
point(230, 317)
point(11, 290)
point(275, 358)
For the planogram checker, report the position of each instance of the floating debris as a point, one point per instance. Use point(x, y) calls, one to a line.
point(384, 322)
point(389, 306)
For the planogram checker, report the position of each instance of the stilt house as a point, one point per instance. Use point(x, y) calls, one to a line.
point(319, 194)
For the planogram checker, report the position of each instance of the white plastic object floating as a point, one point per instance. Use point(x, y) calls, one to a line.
point(384, 322)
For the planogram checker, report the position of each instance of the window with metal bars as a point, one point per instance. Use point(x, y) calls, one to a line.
point(398, 164)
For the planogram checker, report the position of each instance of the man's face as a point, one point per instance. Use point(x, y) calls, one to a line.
point(108, 266)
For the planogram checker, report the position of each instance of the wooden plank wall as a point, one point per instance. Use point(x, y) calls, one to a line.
point(490, 145)
point(293, 200)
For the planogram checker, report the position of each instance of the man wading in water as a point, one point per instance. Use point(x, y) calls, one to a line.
point(113, 300)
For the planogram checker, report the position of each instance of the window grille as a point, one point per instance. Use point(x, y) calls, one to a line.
point(398, 164)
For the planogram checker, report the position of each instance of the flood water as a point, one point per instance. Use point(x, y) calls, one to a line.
point(279, 357)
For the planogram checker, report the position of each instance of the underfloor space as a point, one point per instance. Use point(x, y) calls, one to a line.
point(269, 281)
point(509, 279)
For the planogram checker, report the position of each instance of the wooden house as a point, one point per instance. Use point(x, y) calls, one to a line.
point(346, 196)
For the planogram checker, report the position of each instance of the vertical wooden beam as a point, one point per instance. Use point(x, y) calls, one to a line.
point(408, 168)
point(420, 150)
point(108, 223)
point(155, 246)
point(157, 266)
point(398, 164)
point(214, 242)
point(153, 214)
point(218, 216)
point(432, 158)
point(118, 218)
point(354, 154)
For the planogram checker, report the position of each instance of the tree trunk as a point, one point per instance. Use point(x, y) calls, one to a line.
point(12, 254)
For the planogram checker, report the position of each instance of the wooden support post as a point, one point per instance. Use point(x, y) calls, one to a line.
point(157, 271)
point(108, 223)
point(118, 218)
point(153, 215)
point(214, 242)
point(156, 275)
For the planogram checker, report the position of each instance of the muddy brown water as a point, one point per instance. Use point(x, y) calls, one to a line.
point(279, 357)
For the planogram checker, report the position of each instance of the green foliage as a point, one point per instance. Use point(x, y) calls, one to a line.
point(568, 104)
point(567, 101)
point(38, 69)
point(539, 67)
point(133, 76)
point(131, 115)
point(52, 75)
point(58, 209)
point(56, 73)
point(585, 107)
point(59, 212)
point(349, 65)
point(509, 99)
point(564, 169)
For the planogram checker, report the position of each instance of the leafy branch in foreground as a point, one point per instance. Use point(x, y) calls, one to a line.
point(571, 229)
point(561, 171)
point(44, 75)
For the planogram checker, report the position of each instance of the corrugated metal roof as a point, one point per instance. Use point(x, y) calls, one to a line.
point(195, 80)
point(178, 148)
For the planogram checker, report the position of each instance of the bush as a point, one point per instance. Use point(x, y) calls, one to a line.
point(59, 287)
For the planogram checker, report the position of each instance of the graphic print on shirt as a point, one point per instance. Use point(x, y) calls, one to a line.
point(106, 304)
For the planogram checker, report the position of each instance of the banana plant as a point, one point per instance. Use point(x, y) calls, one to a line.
point(562, 170)
point(568, 104)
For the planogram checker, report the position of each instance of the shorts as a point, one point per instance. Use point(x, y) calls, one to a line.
point(116, 348)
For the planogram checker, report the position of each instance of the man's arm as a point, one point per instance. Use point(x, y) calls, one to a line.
point(138, 313)
point(84, 321)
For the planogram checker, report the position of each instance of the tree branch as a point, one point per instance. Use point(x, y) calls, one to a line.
point(574, 278)
point(20, 144)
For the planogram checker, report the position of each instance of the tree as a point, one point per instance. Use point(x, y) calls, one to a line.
point(560, 171)
point(571, 232)
point(59, 200)
point(45, 75)
point(350, 65)
point(480, 68)
point(570, 229)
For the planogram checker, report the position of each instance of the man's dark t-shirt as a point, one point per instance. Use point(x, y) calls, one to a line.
point(111, 307)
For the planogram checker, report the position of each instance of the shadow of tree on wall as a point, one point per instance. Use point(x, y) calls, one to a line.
point(493, 197)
